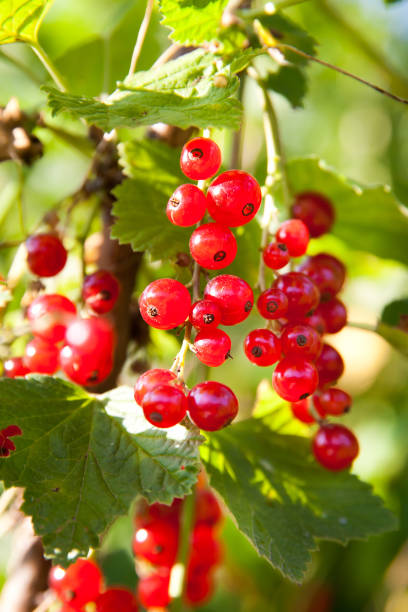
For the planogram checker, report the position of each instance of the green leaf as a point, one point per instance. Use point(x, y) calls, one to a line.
point(82, 459)
point(289, 81)
point(193, 21)
point(286, 31)
point(282, 500)
point(393, 325)
point(20, 20)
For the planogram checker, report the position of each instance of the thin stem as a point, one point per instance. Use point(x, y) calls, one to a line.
point(144, 26)
point(364, 326)
point(49, 66)
point(180, 359)
point(196, 282)
point(10, 244)
point(178, 576)
point(167, 55)
point(19, 197)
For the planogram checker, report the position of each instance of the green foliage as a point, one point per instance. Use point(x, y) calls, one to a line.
point(282, 500)
point(394, 325)
point(193, 21)
point(83, 459)
point(290, 82)
point(20, 20)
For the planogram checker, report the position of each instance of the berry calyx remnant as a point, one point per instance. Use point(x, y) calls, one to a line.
point(213, 246)
point(187, 206)
point(200, 159)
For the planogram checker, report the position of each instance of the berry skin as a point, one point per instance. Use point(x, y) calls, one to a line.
point(49, 315)
point(164, 406)
point(334, 314)
point(205, 314)
point(90, 336)
point(301, 412)
point(330, 365)
point(81, 583)
point(233, 295)
point(303, 295)
point(327, 272)
point(234, 198)
point(316, 212)
point(212, 347)
point(272, 304)
point(7, 445)
point(332, 401)
point(186, 206)
point(199, 589)
point(316, 321)
point(153, 590)
point(115, 600)
point(55, 578)
point(14, 367)
point(206, 550)
point(200, 159)
point(295, 236)
point(146, 514)
point(149, 380)
point(212, 405)
point(165, 303)
point(207, 508)
point(335, 447)
point(100, 291)
point(157, 542)
point(85, 369)
point(262, 347)
point(295, 378)
point(276, 255)
point(41, 357)
point(213, 246)
point(46, 255)
point(302, 341)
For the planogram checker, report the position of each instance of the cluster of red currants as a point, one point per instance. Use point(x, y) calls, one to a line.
point(156, 545)
point(82, 346)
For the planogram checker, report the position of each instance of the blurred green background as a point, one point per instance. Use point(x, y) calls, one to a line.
point(357, 131)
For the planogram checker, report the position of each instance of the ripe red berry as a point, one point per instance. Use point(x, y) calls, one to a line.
point(165, 303)
point(91, 336)
point(157, 542)
point(234, 198)
point(334, 314)
point(153, 590)
point(327, 272)
point(212, 405)
point(295, 378)
point(116, 600)
point(212, 346)
point(149, 380)
point(272, 304)
point(86, 369)
point(81, 583)
point(49, 315)
point(207, 508)
point(295, 236)
point(164, 406)
point(301, 340)
point(146, 514)
point(55, 578)
point(100, 291)
point(200, 159)
point(41, 357)
point(46, 255)
point(262, 347)
point(332, 401)
point(316, 212)
point(213, 246)
point(14, 367)
point(316, 321)
point(205, 314)
point(199, 589)
point(335, 446)
point(276, 255)
point(301, 411)
point(303, 295)
point(186, 206)
point(233, 295)
point(330, 365)
point(206, 549)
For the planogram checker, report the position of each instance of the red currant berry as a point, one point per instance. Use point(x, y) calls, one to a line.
point(316, 321)
point(146, 514)
point(91, 336)
point(330, 365)
point(100, 291)
point(233, 295)
point(335, 447)
point(332, 401)
point(157, 543)
point(234, 198)
point(55, 578)
point(212, 405)
point(303, 295)
point(199, 589)
point(85, 369)
point(46, 255)
point(212, 347)
point(295, 378)
point(262, 347)
point(206, 549)
point(14, 367)
point(49, 315)
point(165, 303)
point(41, 357)
point(116, 600)
point(316, 212)
point(207, 508)
point(200, 159)
point(213, 246)
point(272, 304)
point(295, 236)
point(149, 380)
point(301, 411)
point(81, 583)
point(186, 206)
point(205, 314)
point(327, 272)
point(276, 255)
point(164, 406)
point(334, 314)
point(153, 590)
point(301, 340)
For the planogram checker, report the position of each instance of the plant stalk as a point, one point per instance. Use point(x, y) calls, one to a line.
point(49, 66)
point(144, 26)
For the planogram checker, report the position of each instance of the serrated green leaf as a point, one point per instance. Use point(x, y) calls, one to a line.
point(20, 20)
point(282, 500)
point(193, 21)
point(82, 459)
point(286, 31)
point(393, 325)
point(290, 82)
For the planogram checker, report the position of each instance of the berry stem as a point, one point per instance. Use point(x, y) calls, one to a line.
point(49, 66)
point(141, 35)
point(364, 326)
point(178, 576)
point(179, 360)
